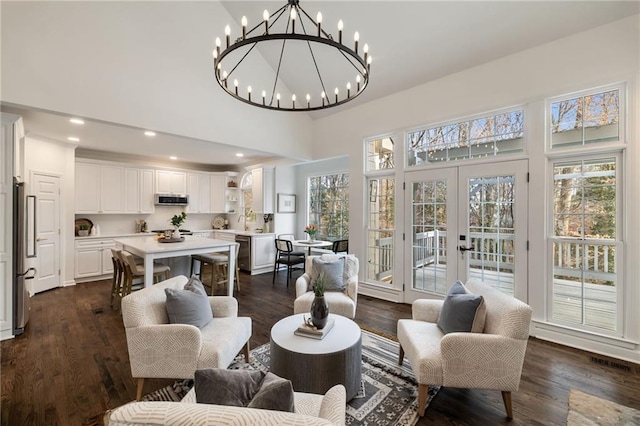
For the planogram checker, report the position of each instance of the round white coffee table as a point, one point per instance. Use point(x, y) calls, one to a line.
point(313, 365)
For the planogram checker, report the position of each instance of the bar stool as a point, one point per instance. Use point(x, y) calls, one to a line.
point(219, 263)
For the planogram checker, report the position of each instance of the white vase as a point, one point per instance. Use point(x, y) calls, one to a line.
point(176, 233)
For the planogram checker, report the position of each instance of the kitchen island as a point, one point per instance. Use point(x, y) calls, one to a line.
point(150, 249)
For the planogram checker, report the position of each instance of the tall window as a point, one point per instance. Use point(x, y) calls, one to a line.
point(380, 221)
point(329, 205)
point(586, 247)
point(474, 138)
point(586, 243)
point(248, 215)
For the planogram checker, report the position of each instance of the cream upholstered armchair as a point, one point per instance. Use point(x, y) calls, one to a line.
point(491, 359)
point(158, 349)
point(340, 302)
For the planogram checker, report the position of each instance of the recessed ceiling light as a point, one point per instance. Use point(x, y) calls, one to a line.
point(239, 154)
point(149, 133)
point(173, 157)
point(76, 120)
point(73, 139)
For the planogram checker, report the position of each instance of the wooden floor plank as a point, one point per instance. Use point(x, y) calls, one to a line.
point(72, 363)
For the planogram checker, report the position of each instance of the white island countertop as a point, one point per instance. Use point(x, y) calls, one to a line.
point(149, 248)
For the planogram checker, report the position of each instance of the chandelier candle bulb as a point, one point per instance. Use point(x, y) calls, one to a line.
point(348, 89)
point(235, 84)
point(340, 26)
point(265, 17)
point(218, 44)
point(293, 101)
point(308, 100)
point(293, 20)
point(365, 49)
point(264, 95)
point(319, 21)
point(356, 38)
point(227, 33)
point(249, 93)
point(358, 83)
point(323, 96)
point(337, 91)
point(244, 27)
point(278, 99)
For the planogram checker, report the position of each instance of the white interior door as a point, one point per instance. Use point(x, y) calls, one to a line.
point(46, 188)
point(466, 222)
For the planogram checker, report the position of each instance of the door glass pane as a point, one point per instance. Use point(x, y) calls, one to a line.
point(381, 229)
point(491, 231)
point(429, 236)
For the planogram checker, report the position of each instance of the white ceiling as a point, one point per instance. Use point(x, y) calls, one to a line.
point(411, 42)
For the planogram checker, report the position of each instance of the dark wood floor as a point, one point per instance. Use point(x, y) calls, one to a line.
point(72, 364)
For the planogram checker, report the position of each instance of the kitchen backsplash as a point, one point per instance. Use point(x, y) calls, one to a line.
point(111, 224)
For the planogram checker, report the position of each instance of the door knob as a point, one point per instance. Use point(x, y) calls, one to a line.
point(463, 248)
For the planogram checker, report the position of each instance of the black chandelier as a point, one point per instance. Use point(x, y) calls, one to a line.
point(298, 26)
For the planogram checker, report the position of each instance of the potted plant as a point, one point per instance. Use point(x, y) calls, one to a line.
point(83, 230)
point(319, 308)
point(177, 221)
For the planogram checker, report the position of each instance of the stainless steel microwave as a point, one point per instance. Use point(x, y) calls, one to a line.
point(172, 200)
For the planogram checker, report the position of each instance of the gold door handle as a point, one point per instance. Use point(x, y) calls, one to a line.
point(41, 239)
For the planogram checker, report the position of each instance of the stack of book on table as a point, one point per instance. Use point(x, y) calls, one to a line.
point(306, 330)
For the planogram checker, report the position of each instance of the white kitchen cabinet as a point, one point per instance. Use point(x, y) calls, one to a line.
point(218, 192)
point(262, 189)
point(171, 182)
point(138, 191)
point(111, 189)
point(199, 191)
point(93, 258)
point(147, 193)
point(263, 253)
point(87, 188)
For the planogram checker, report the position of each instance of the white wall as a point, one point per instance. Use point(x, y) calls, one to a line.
point(47, 156)
point(604, 55)
point(66, 57)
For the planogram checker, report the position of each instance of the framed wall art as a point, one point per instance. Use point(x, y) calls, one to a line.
point(286, 203)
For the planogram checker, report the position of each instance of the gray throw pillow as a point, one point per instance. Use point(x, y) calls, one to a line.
point(275, 393)
point(333, 270)
point(227, 387)
point(244, 388)
point(195, 285)
point(460, 310)
point(188, 306)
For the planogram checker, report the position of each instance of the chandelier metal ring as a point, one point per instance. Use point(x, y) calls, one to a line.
point(360, 63)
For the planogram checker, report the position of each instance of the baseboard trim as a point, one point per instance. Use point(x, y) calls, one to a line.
point(384, 293)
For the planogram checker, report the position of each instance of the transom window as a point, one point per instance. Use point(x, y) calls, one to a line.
point(380, 154)
point(588, 119)
point(474, 138)
point(329, 205)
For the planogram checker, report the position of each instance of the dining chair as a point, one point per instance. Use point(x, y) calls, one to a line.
point(340, 246)
point(285, 256)
point(291, 238)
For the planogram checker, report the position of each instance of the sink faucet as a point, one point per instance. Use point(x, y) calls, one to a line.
point(243, 218)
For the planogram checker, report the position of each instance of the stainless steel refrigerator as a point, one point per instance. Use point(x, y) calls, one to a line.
point(23, 247)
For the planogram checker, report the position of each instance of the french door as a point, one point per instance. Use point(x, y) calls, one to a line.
point(466, 222)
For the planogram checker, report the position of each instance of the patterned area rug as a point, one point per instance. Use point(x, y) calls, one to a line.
point(388, 395)
point(589, 410)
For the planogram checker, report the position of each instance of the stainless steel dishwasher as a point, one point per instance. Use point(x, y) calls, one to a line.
point(244, 253)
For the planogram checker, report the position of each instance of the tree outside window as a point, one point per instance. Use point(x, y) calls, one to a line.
point(329, 205)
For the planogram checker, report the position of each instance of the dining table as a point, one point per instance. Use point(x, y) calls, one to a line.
point(311, 244)
point(151, 248)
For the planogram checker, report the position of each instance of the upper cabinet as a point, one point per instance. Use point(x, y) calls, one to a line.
point(232, 193)
point(102, 188)
point(171, 182)
point(199, 191)
point(218, 193)
point(262, 189)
